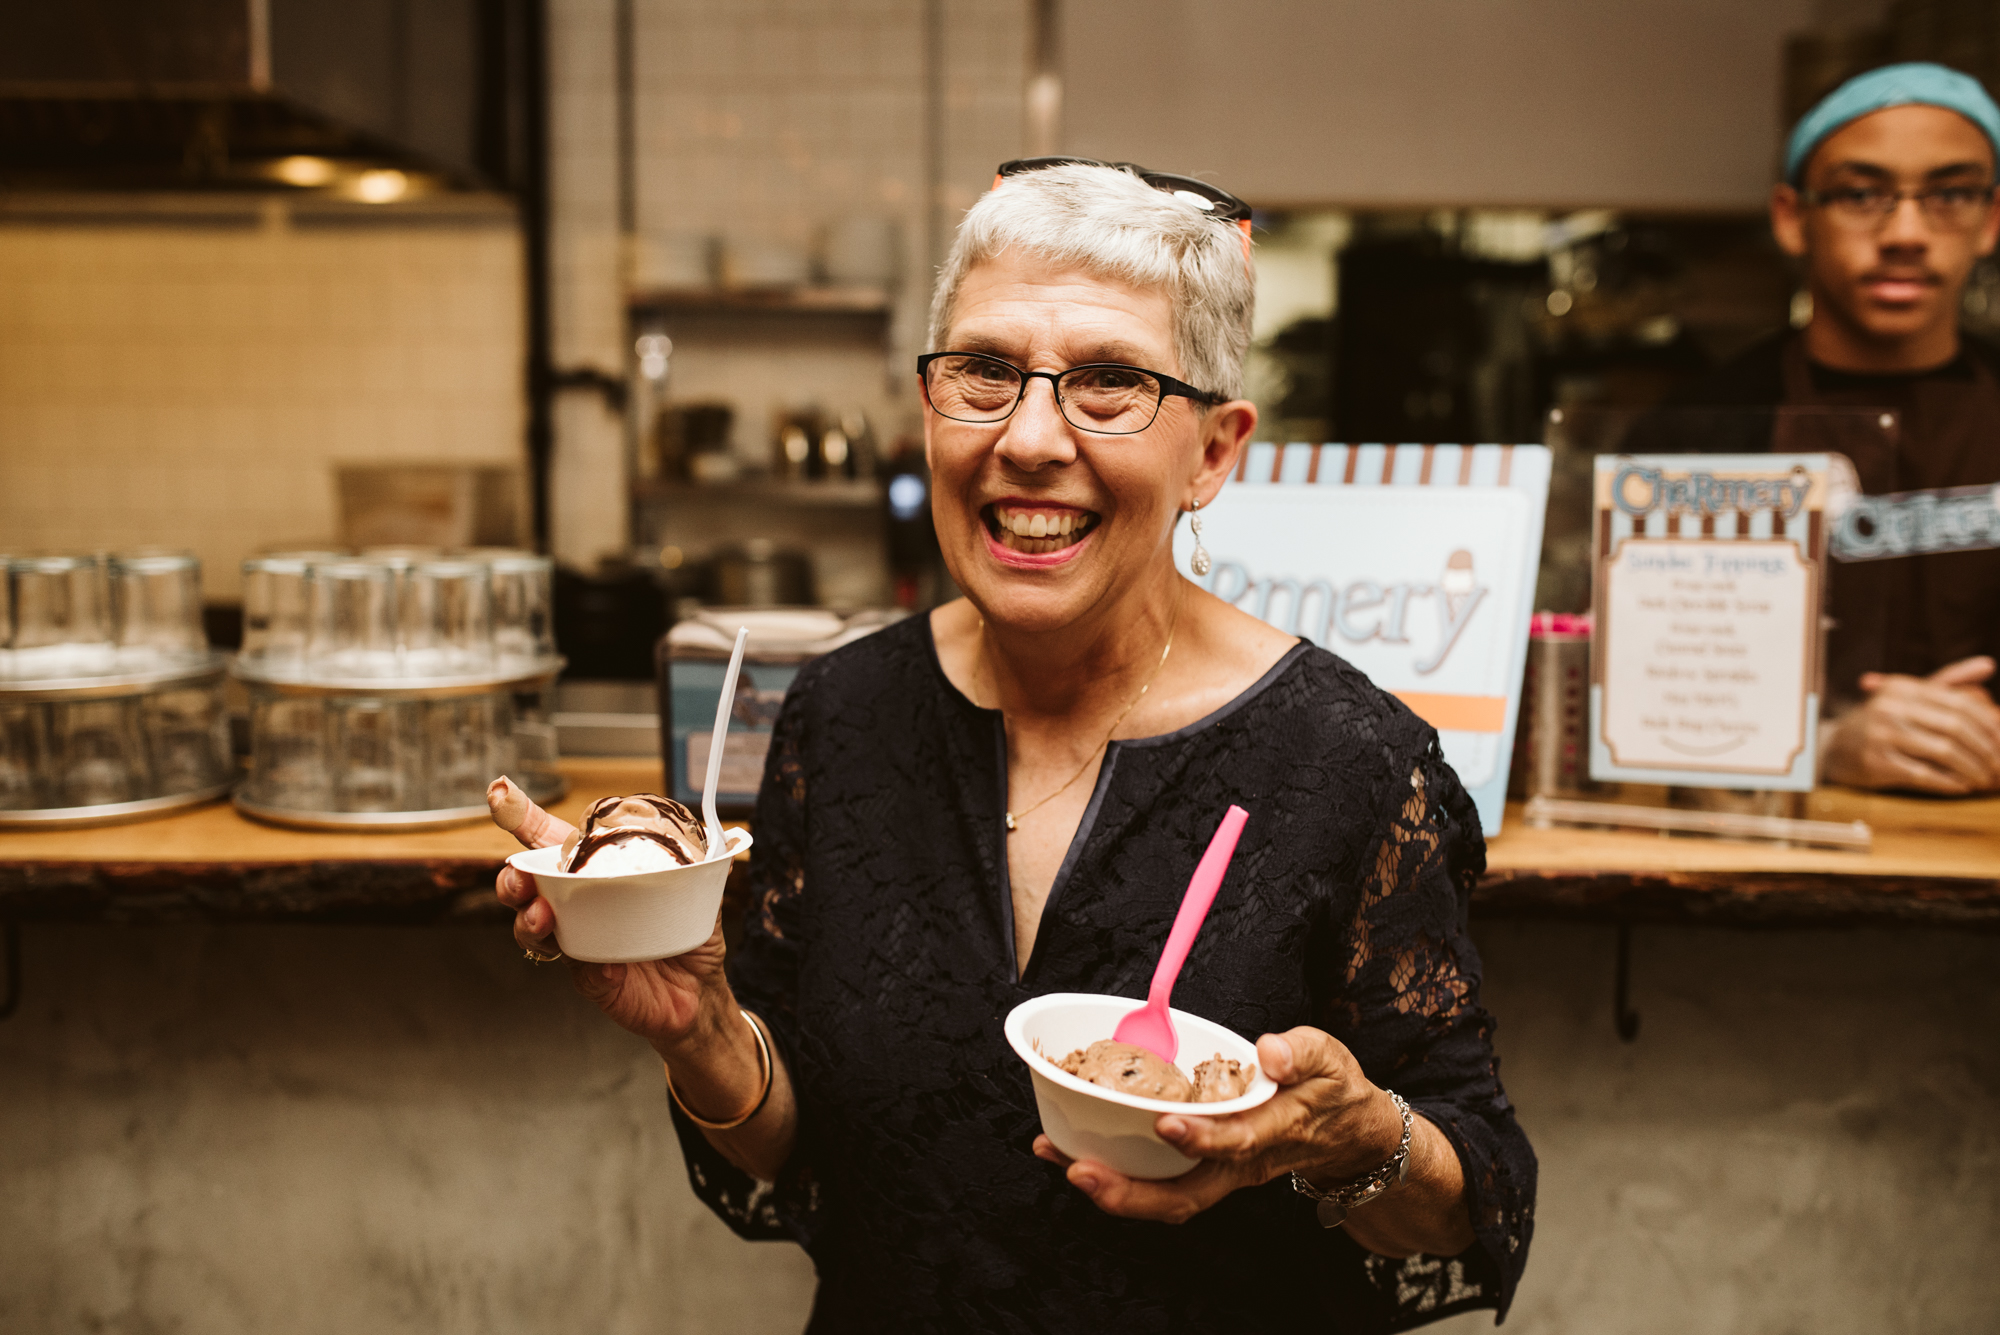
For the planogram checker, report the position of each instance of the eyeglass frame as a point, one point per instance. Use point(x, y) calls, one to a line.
point(1229, 207)
point(1169, 387)
point(1895, 198)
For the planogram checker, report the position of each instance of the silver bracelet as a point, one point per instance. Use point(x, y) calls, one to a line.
point(1335, 1203)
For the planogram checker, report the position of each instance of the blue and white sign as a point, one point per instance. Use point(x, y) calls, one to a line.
point(1416, 563)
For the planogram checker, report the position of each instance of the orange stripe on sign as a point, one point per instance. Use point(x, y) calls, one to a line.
point(1457, 713)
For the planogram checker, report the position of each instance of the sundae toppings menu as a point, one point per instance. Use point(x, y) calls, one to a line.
point(1133, 1070)
point(623, 835)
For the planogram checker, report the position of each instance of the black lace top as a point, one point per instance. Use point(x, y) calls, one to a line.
point(880, 949)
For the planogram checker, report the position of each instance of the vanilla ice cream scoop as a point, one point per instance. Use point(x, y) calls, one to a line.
point(640, 833)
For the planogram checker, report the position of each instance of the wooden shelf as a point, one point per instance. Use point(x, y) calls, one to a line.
point(771, 301)
point(839, 495)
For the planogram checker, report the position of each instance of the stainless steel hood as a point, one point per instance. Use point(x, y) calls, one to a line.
point(367, 99)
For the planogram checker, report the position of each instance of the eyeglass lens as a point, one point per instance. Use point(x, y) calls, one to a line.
point(1108, 400)
point(1957, 207)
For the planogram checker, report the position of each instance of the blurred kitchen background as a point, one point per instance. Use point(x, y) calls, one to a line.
point(641, 281)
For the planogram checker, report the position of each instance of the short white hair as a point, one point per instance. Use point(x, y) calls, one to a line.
point(1107, 222)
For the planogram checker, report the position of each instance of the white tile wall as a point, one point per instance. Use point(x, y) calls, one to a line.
point(760, 123)
point(192, 385)
point(767, 122)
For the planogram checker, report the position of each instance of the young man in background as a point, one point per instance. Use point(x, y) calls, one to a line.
point(1888, 199)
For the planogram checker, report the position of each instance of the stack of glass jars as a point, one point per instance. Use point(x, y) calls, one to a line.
point(388, 689)
point(111, 702)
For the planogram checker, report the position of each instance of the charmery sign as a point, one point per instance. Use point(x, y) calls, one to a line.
point(1706, 659)
point(1416, 563)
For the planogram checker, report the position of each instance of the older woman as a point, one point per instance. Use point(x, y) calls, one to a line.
point(1007, 797)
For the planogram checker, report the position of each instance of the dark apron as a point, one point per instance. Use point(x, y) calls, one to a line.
point(1911, 614)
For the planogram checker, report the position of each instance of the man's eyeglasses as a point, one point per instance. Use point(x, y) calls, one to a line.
point(1951, 208)
point(1212, 201)
point(1108, 398)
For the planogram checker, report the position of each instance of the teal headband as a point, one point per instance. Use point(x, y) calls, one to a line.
point(1917, 83)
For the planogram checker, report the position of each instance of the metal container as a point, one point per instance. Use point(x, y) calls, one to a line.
point(396, 753)
point(1555, 757)
point(102, 750)
point(761, 574)
point(111, 703)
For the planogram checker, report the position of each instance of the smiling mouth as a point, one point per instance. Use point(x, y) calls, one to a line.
point(1037, 532)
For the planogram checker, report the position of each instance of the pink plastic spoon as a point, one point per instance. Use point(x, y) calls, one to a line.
point(1150, 1027)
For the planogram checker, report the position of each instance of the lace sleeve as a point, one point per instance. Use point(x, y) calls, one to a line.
point(764, 974)
point(1408, 1007)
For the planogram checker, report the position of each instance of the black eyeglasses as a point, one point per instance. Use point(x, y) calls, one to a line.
point(1217, 203)
point(1954, 208)
point(1108, 398)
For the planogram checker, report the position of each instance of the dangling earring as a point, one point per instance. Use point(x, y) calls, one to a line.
point(1199, 562)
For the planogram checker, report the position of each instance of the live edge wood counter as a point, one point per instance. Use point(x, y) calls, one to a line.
point(213, 865)
point(1933, 864)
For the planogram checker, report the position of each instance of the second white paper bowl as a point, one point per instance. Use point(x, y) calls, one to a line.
point(649, 915)
point(1087, 1121)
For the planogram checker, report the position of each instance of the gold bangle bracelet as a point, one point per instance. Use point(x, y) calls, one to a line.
point(767, 1069)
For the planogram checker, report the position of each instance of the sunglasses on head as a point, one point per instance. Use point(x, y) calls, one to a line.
point(1216, 203)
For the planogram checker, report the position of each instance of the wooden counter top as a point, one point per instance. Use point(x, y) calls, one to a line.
point(1934, 862)
point(215, 865)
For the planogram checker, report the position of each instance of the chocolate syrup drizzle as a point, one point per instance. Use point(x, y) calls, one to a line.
point(594, 839)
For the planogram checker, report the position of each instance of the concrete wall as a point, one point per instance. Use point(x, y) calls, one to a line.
point(1546, 103)
point(1804, 1138)
point(342, 1129)
point(256, 1129)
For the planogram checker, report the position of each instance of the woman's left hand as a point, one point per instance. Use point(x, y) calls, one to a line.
point(1327, 1121)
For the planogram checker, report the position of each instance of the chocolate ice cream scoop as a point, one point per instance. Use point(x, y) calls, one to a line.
point(1133, 1070)
point(636, 833)
point(1129, 1070)
point(1221, 1078)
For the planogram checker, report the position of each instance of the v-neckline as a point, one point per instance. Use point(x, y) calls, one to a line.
point(1017, 971)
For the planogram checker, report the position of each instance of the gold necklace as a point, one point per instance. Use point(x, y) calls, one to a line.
point(1013, 818)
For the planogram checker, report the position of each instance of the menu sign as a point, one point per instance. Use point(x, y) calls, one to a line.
point(1415, 563)
point(1705, 660)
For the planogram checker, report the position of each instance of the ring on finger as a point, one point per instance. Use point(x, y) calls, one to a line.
point(539, 958)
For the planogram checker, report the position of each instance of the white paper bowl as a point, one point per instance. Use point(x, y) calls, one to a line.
point(649, 915)
point(1087, 1121)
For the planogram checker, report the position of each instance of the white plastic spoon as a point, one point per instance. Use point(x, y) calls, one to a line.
point(718, 846)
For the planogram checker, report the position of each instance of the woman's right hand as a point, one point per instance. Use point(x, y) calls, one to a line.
point(669, 1003)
